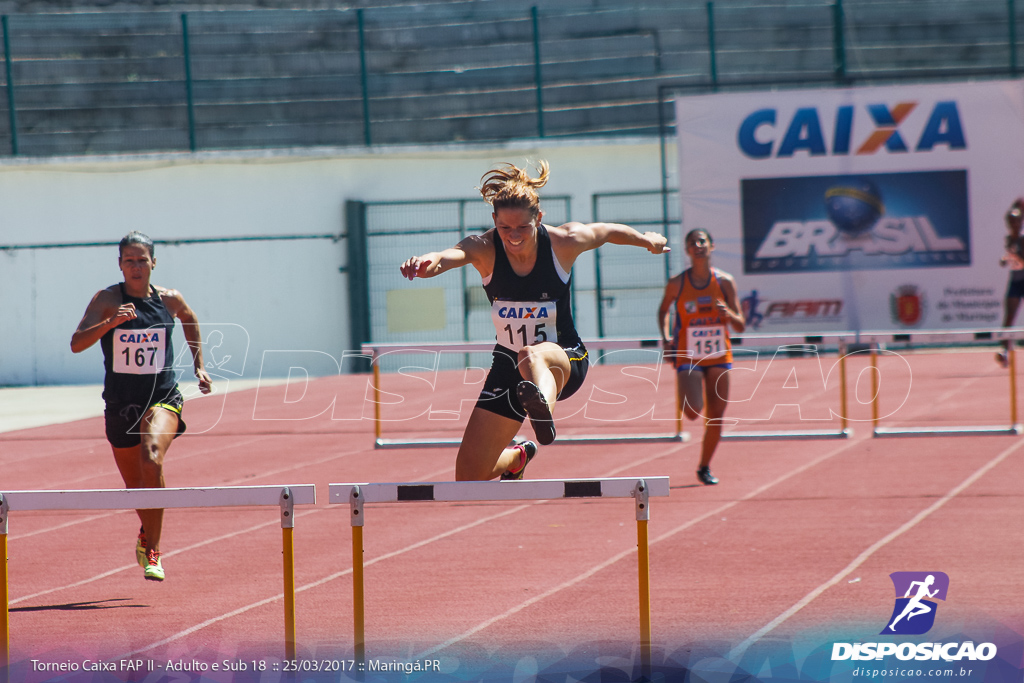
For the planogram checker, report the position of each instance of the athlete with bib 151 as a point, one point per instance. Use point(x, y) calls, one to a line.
point(704, 301)
point(539, 357)
point(133, 321)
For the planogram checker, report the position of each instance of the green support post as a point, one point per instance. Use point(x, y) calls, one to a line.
point(1011, 8)
point(188, 84)
point(364, 79)
point(839, 34)
point(11, 111)
point(711, 45)
point(537, 71)
point(358, 278)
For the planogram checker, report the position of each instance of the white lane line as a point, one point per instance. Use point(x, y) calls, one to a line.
point(111, 572)
point(626, 553)
point(231, 482)
point(871, 550)
point(320, 582)
point(381, 558)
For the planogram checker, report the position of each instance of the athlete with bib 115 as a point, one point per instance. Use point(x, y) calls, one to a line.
point(704, 301)
point(133, 321)
point(539, 357)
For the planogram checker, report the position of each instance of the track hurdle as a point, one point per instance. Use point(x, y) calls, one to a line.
point(356, 495)
point(284, 497)
point(883, 340)
point(799, 342)
point(374, 350)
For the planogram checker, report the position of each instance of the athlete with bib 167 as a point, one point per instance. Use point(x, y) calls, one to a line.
point(133, 321)
point(704, 302)
point(539, 357)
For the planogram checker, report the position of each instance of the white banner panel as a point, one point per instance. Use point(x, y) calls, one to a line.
point(857, 209)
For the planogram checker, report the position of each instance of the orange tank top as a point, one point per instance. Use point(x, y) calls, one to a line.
point(702, 332)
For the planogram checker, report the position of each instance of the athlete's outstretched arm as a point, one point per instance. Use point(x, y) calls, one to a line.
point(593, 235)
point(665, 307)
point(434, 263)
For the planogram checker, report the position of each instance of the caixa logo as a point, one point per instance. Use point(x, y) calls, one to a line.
point(757, 135)
point(518, 312)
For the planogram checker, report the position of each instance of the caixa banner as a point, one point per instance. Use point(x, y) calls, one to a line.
point(860, 208)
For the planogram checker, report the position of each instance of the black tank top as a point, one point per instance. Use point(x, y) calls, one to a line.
point(521, 305)
point(137, 355)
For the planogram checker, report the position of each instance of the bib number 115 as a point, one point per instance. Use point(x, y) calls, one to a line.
point(525, 334)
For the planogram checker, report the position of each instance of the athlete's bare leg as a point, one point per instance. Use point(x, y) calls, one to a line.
point(141, 466)
point(1010, 306)
point(484, 453)
point(716, 389)
point(546, 365)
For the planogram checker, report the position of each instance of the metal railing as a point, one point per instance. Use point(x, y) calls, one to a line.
point(107, 82)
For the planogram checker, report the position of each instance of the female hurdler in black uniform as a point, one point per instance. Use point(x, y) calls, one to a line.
point(133, 321)
point(539, 356)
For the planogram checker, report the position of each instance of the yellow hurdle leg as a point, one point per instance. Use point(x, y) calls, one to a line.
point(5, 621)
point(874, 388)
point(376, 401)
point(359, 635)
point(643, 556)
point(644, 567)
point(289, 593)
point(5, 597)
point(288, 550)
point(842, 389)
point(358, 616)
point(1011, 355)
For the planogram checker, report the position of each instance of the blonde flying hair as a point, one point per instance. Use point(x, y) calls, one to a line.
point(510, 187)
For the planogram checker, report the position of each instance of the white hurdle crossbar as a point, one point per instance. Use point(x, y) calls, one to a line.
point(284, 497)
point(880, 340)
point(779, 341)
point(376, 349)
point(640, 489)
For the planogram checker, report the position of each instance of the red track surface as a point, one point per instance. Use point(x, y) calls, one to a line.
point(796, 542)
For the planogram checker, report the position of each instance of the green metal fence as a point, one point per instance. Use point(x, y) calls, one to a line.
point(629, 283)
point(109, 82)
point(449, 308)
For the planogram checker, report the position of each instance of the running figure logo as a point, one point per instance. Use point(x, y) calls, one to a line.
point(914, 613)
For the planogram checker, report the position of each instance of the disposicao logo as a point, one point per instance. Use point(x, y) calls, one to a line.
point(914, 612)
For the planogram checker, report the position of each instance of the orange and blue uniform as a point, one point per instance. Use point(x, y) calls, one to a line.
point(701, 335)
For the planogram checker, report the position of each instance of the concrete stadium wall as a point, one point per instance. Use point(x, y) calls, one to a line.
point(286, 294)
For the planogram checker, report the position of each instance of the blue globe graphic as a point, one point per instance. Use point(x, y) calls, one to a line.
point(854, 207)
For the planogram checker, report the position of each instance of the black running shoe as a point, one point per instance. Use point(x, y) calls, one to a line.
point(705, 476)
point(530, 448)
point(536, 406)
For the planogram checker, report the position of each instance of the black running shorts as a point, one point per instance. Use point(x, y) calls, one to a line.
point(499, 393)
point(122, 419)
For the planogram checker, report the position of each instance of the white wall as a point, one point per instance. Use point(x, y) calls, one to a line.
point(284, 294)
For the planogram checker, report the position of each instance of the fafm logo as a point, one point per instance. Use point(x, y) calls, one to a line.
point(914, 614)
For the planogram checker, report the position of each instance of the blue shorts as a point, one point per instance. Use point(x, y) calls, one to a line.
point(687, 367)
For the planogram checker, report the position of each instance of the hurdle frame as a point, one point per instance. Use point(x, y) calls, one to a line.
point(879, 342)
point(284, 497)
point(641, 489)
point(375, 349)
point(801, 340)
